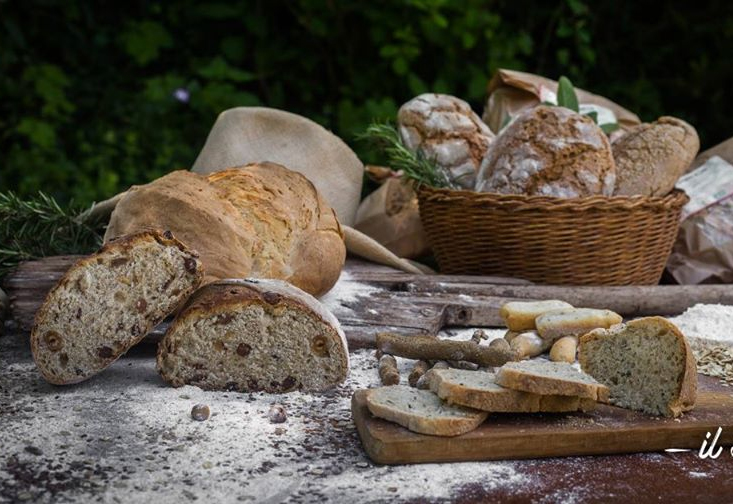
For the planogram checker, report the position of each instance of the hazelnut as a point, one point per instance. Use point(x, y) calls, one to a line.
point(319, 346)
point(272, 298)
point(277, 414)
point(190, 264)
point(53, 341)
point(200, 412)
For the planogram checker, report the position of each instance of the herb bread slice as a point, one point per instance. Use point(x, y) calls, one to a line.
point(647, 365)
point(422, 411)
point(109, 301)
point(252, 335)
point(479, 390)
point(550, 378)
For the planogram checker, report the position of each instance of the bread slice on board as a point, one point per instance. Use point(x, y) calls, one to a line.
point(478, 389)
point(422, 411)
point(251, 335)
point(550, 378)
point(646, 363)
point(107, 302)
point(521, 315)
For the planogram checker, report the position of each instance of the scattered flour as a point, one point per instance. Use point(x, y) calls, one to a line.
point(345, 292)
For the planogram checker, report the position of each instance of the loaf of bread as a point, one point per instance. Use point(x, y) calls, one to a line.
point(261, 220)
point(521, 315)
point(647, 365)
point(550, 378)
point(422, 411)
point(478, 390)
point(549, 151)
point(251, 335)
point(529, 344)
point(109, 301)
point(445, 129)
point(651, 157)
point(574, 322)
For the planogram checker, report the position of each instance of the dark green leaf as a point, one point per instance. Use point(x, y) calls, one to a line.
point(566, 96)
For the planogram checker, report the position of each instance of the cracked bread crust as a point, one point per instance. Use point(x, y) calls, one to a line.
point(445, 129)
point(549, 151)
point(107, 302)
point(650, 158)
point(254, 335)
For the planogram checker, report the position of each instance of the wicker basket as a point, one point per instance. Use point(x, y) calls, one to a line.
point(585, 241)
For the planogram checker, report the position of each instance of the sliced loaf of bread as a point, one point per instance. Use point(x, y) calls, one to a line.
point(646, 363)
point(251, 335)
point(479, 390)
point(107, 302)
point(422, 411)
point(550, 378)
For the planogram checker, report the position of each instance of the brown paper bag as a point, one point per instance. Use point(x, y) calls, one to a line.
point(511, 92)
point(390, 216)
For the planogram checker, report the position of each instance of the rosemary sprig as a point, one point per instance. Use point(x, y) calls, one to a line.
point(37, 227)
point(414, 165)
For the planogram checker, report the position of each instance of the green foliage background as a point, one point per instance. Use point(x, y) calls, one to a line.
point(87, 87)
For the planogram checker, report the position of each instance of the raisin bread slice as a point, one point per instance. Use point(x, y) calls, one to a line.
point(646, 363)
point(422, 411)
point(550, 378)
point(251, 335)
point(107, 302)
point(479, 390)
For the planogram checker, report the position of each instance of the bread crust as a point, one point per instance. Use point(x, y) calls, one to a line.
point(259, 220)
point(650, 158)
point(687, 390)
point(116, 245)
point(222, 297)
point(549, 151)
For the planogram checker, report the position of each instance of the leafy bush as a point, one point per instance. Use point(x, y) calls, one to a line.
point(101, 95)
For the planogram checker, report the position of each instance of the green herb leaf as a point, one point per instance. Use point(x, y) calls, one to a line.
point(566, 96)
point(609, 127)
point(414, 165)
point(593, 115)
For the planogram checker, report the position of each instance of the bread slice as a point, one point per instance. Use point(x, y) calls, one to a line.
point(574, 322)
point(478, 389)
point(550, 378)
point(521, 315)
point(251, 335)
point(422, 411)
point(647, 365)
point(107, 302)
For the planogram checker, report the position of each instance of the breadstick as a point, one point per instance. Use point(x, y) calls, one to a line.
point(529, 344)
point(420, 368)
point(432, 348)
point(521, 315)
point(563, 350)
point(574, 322)
point(388, 373)
point(510, 335)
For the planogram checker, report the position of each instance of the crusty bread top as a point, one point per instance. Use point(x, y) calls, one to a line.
point(445, 129)
point(651, 157)
point(549, 151)
point(260, 220)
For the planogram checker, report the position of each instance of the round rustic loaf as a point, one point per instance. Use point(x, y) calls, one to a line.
point(445, 129)
point(549, 151)
point(651, 157)
point(260, 220)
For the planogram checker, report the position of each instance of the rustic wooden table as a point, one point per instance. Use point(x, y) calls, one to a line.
point(124, 436)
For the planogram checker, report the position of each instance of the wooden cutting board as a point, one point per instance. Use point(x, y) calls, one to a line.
point(606, 430)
